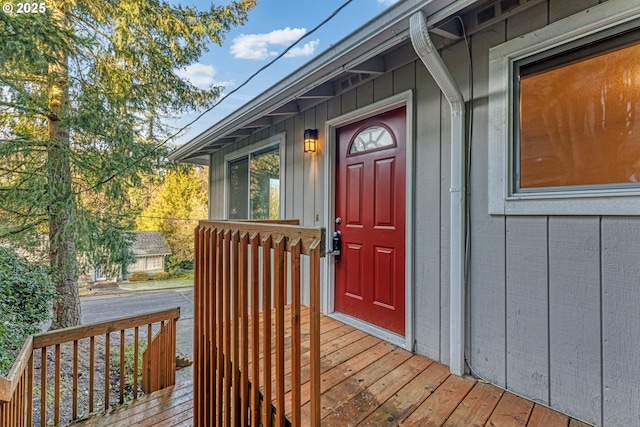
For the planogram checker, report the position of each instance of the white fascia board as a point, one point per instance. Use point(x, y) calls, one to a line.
point(379, 34)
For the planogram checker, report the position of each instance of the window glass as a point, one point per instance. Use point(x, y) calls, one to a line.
point(136, 266)
point(254, 185)
point(239, 189)
point(154, 263)
point(578, 119)
point(371, 138)
point(265, 184)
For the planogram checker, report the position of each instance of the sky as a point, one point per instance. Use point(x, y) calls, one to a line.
point(271, 27)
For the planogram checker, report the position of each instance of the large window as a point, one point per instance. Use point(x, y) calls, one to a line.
point(578, 117)
point(564, 124)
point(254, 185)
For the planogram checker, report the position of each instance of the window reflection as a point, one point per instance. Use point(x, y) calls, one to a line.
point(371, 138)
point(254, 186)
point(578, 122)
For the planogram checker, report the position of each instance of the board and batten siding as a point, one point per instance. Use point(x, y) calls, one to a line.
point(553, 302)
point(304, 187)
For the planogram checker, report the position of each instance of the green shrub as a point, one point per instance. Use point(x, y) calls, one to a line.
point(173, 266)
point(163, 275)
point(139, 276)
point(26, 296)
point(129, 358)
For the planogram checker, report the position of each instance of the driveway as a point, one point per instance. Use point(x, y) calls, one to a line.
point(98, 308)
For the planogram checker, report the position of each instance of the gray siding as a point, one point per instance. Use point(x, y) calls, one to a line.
point(427, 219)
point(487, 267)
point(574, 320)
point(620, 290)
point(553, 312)
point(552, 302)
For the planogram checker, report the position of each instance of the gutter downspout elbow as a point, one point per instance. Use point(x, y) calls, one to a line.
point(428, 53)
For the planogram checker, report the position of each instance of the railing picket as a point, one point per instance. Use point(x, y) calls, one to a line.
point(162, 360)
point(30, 390)
point(219, 238)
point(122, 349)
point(255, 329)
point(92, 368)
point(266, 332)
point(243, 282)
point(227, 329)
point(235, 326)
point(107, 362)
point(211, 319)
point(148, 368)
point(74, 409)
point(43, 387)
point(198, 392)
point(203, 327)
point(296, 349)
point(56, 387)
point(136, 354)
point(314, 333)
point(280, 301)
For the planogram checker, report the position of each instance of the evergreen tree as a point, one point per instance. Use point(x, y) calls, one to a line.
point(83, 90)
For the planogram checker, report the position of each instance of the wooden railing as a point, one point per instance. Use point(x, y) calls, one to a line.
point(15, 394)
point(248, 278)
point(31, 391)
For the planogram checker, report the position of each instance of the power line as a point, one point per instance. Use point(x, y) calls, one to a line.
point(164, 218)
point(269, 64)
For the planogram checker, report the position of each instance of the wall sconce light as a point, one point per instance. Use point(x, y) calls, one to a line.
point(310, 140)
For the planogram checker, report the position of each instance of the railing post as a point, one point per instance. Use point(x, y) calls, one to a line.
point(266, 332)
point(315, 332)
point(198, 398)
point(220, 335)
point(296, 348)
point(280, 298)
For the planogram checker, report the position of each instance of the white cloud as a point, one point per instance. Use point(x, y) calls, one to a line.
point(201, 75)
point(305, 50)
point(260, 46)
point(387, 2)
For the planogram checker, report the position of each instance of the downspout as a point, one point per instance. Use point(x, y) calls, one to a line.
point(427, 52)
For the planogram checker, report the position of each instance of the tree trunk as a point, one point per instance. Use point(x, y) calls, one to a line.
point(61, 209)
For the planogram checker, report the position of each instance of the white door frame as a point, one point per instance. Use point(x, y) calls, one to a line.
point(404, 99)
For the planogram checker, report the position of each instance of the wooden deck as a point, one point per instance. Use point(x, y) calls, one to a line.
point(368, 382)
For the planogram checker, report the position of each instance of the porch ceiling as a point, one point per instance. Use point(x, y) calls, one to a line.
point(375, 48)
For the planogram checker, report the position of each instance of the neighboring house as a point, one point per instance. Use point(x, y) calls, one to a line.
point(486, 188)
point(151, 251)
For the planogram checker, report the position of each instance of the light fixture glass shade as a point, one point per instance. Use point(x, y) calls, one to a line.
point(310, 140)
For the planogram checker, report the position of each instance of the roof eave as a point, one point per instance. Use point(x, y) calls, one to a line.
point(381, 33)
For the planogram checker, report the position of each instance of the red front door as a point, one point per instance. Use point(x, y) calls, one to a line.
point(370, 214)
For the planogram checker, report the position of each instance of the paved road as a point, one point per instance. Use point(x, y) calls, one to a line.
point(97, 308)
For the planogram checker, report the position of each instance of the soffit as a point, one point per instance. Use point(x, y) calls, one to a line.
point(377, 47)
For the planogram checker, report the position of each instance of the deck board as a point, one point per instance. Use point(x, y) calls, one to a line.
point(477, 406)
point(365, 382)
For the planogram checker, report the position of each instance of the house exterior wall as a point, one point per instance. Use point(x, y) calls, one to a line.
point(552, 301)
point(150, 264)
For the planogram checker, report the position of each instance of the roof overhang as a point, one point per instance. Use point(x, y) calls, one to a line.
point(356, 58)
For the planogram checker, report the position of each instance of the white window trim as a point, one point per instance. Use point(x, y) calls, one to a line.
point(612, 16)
point(275, 140)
